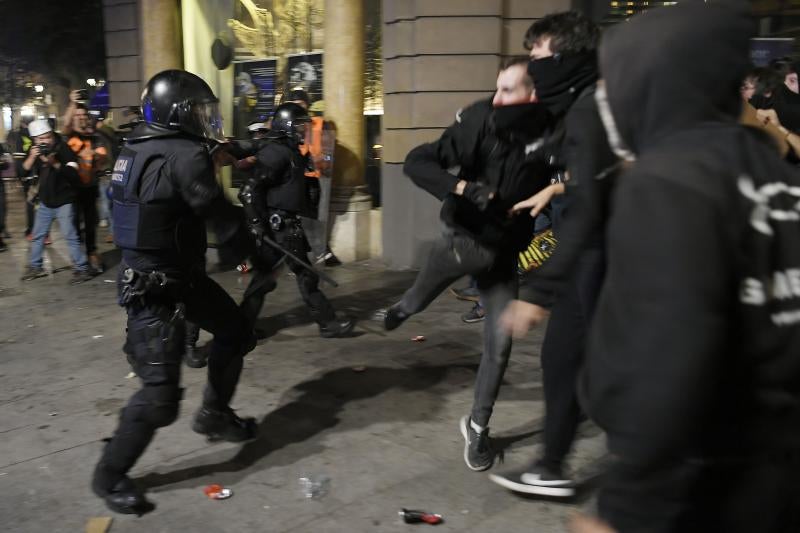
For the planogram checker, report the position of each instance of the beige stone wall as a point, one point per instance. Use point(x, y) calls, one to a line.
point(123, 73)
point(439, 55)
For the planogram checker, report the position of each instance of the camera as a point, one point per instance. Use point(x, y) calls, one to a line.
point(44, 149)
point(83, 96)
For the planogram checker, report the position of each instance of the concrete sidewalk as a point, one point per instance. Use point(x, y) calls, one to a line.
point(387, 437)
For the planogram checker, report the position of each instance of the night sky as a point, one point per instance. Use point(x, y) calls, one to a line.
point(60, 39)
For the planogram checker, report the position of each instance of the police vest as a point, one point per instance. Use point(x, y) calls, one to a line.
point(141, 221)
point(292, 194)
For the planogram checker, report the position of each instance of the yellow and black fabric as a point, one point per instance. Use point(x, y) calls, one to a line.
point(537, 252)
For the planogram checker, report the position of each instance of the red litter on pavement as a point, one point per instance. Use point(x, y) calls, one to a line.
point(411, 516)
point(418, 338)
point(217, 492)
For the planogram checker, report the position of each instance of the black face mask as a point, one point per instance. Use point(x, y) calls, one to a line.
point(559, 79)
point(521, 122)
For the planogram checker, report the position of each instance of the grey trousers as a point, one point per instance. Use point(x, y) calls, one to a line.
point(451, 257)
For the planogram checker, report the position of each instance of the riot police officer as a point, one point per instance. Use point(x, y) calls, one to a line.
point(163, 188)
point(274, 197)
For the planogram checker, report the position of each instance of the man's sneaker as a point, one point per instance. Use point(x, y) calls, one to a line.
point(33, 273)
point(80, 276)
point(392, 317)
point(332, 260)
point(476, 314)
point(539, 479)
point(224, 425)
point(336, 328)
point(470, 294)
point(478, 452)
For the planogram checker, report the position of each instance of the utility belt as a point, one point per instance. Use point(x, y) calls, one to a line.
point(280, 220)
point(155, 289)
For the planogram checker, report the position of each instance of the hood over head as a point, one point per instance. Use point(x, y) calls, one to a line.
point(675, 67)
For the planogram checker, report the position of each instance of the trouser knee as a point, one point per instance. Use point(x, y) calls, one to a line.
point(155, 405)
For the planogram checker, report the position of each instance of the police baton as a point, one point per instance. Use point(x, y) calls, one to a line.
point(287, 253)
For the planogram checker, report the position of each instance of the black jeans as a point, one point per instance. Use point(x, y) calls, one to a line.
point(563, 351)
point(451, 257)
point(86, 212)
point(702, 496)
point(155, 347)
point(265, 263)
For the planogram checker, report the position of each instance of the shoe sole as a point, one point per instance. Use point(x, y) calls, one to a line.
point(558, 492)
point(465, 434)
point(473, 320)
point(459, 296)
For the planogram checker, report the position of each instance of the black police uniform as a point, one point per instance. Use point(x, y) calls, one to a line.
point(275, 195)
point(164, 187)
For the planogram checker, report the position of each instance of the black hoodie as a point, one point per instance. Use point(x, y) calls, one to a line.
point(695, 346)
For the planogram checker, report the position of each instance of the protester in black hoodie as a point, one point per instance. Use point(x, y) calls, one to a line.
point(693, 367)
point(564, 63)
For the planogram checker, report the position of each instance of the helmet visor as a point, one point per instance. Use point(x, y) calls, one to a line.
point(207, 121)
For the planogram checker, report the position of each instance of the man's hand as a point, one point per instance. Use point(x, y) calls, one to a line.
point(33, 154)
point(519, 317)
point(478, 194)
point(768, 116)
point(74, 96)
point(539, 201)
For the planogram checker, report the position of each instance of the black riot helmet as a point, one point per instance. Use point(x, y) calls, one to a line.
point(289, 120)
point(181, 101)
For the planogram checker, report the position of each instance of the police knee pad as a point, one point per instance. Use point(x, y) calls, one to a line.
point(160, 404)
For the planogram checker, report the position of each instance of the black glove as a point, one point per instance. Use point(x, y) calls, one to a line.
point(258, 230)
point(478, 194)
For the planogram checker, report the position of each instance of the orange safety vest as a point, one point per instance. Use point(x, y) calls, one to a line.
point(82, 147)
point(313, 145)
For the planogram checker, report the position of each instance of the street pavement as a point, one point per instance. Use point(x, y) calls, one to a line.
point(375, 414)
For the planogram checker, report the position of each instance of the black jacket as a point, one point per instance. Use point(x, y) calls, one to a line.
point(583, 212)
point(57, 187)
point(695, 347)
point(490, 156)
point(278, 181)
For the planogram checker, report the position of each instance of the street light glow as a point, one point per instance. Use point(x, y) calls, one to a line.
point(38, 88)
point(91, 81)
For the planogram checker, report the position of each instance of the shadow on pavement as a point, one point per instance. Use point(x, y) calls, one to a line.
point(317, 409)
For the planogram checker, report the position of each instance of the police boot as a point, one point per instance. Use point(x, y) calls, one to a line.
point(195, 357)
point(224, 425)
point(336, 328)
point(124, 497)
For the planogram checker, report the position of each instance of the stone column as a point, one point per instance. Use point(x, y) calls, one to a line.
point(343, 88)
point(159, 36)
